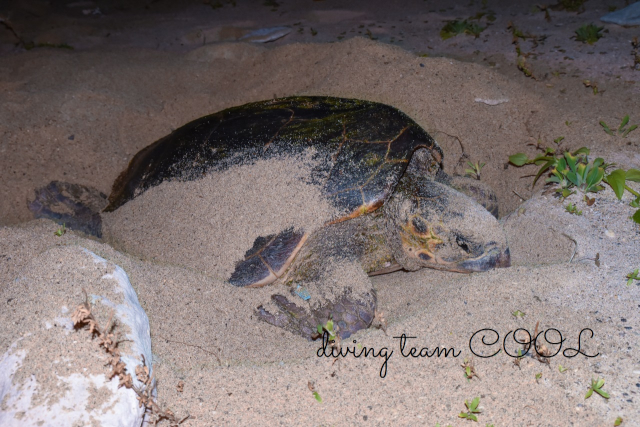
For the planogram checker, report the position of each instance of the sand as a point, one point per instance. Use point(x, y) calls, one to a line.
point(80, 115)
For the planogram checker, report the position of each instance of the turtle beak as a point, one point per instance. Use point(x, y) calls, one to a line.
point(493, 258)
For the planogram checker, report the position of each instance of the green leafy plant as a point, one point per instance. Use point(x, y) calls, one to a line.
point(538, 376)
point(328, 327)
point(596, 385)
point(574, 170)
point(572, 209)
point(518, 313)
point(453, 28)
point(617, 422)
point(568, 170)
point(562, 369)
point(589, 33)
point(633, 276)
point(474, 169)
point(621, 129)
point(60, 231)
point(472, 409)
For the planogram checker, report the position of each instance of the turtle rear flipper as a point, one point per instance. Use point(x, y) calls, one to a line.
point(351, 305)
point(76, 206)
point(349, 314)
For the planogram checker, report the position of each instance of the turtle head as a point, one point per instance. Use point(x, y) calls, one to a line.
point(432, 225)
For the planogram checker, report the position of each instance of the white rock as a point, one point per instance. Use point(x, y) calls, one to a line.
point(53, 374)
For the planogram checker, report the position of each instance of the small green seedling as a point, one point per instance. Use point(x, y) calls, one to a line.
point(314, 392)
point(617, 422)
point(518, 358)
point(519, 314)
point(474, 169)
point(589, 33)
point(453, 28)
point(328, 327)
point(472, 408)
point(633, 276)
point(592, 85)
point(469, 369)
point(572, 209)
point(596, 385)
point(621, 129)
point(60, 231)
point(562, 369)
point(538, 376)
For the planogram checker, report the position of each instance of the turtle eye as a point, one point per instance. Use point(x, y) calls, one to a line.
point(419, 225)
point(462, 244)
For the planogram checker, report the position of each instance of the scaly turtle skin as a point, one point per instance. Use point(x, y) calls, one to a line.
point(378, 168)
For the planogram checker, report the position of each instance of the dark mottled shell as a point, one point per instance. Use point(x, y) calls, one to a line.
point(361, 148)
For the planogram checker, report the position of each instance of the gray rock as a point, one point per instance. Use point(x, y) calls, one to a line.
point(630, 15)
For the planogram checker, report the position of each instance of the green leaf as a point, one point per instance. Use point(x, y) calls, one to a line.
point(571, 161)
point(317, 396)
point(634, 127)
point(329, 325)
point(474, 404)
point(519, 159)
point(320, 329)
point(599, 383)
point(617, 422)
point(566, 193)
point(594, 177)
point(598, 162)
point(633, 175)
point(573, 177)
point(581, 150)
point(606, 128)
point(542, 170)
point(473, 417)
point(616, 180)
point(602, 393)
point(636, 216)
point(624, 122)
point(589, 393)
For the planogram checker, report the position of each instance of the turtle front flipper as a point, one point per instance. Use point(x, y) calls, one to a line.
point(268, 259)
point(76, 206)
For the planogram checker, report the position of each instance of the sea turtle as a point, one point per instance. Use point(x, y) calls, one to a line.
point(396, 208)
